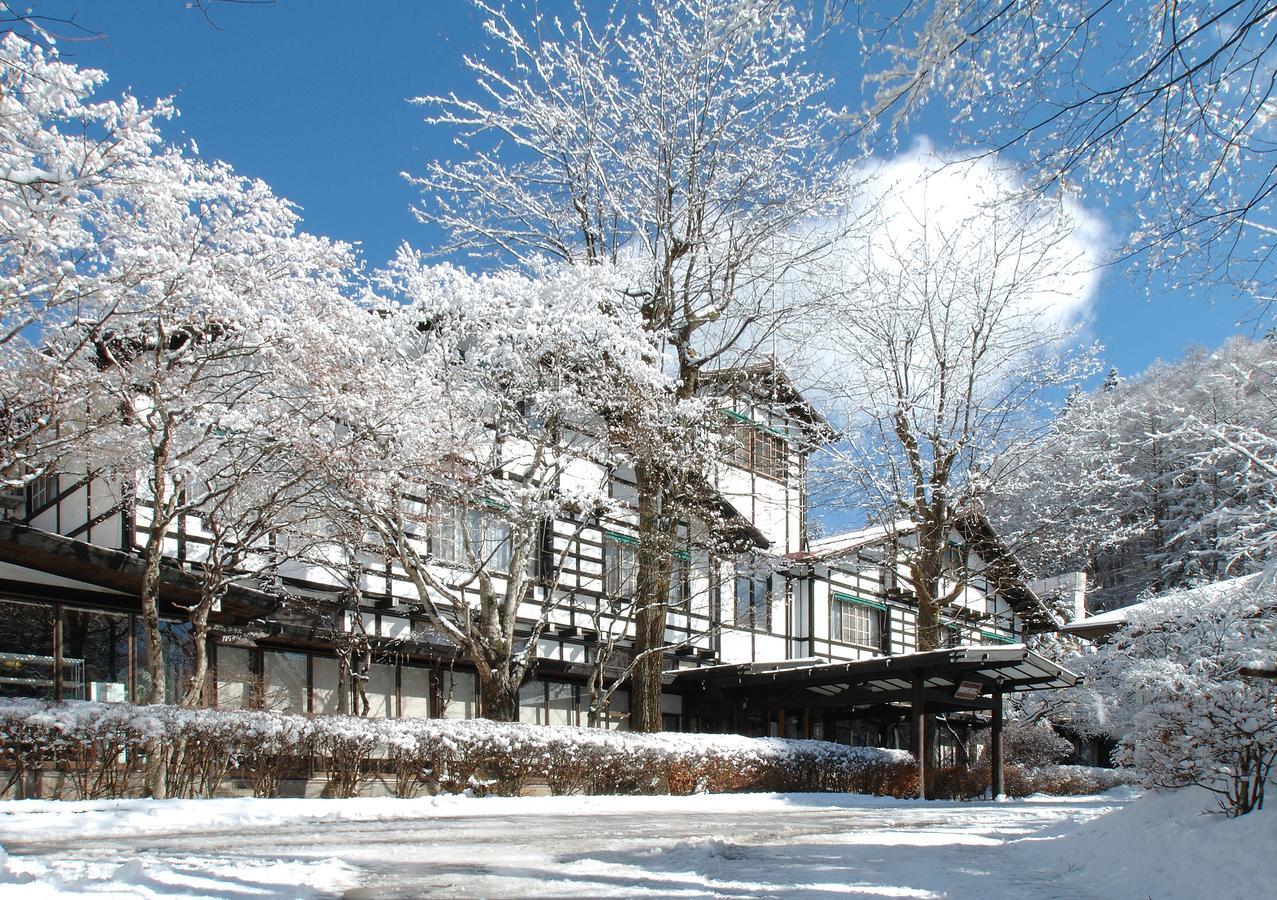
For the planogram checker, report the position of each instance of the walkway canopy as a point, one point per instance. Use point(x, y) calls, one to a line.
point(934, 681)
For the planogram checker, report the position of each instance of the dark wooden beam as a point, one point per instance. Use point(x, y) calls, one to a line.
point(918, 734)
point(995, 748)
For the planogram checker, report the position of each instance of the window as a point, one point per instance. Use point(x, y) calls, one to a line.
point(620, 564)
point(414, 692)
point(95, 655)
point(755, 447)
point(284, 681)
point(236, 681)
point(445, 529)
point(379, 688)
point(950, 635)
point(771, 455)
point(857, 621)
point(460, 692)
point(458, 534)
point(326, 690)
point(26, 650)
point(680, 581)
point(753, 602)
point(41, 492)
point(955, 558)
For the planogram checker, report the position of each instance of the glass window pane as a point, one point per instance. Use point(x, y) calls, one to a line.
point(460, 695)
point(325, 692)
point(95, 655)
point(284, 681)
point(380, 688)
point(532, 703)
point(26, 650)
point(178, 658)
point(561, 705)
point(236, 681)
point(414, 692)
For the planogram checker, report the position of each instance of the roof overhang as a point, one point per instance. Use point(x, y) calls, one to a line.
point(886, 679)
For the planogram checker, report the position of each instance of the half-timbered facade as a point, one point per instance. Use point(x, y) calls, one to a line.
point(314, 638)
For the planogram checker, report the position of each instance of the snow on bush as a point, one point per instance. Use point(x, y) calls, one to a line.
point(1171, 685)
point(100, 747)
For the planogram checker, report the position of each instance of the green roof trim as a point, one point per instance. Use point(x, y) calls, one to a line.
point(621, 538)
point(741, 417)
point(1000, 638)
point(850, 598)
point(684, 555)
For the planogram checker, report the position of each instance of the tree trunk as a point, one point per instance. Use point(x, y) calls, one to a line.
point(652, 593)
point(150, 604)
point(195, 691)
point(499, 696)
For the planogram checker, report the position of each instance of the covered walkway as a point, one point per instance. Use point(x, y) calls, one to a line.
point(917, 684)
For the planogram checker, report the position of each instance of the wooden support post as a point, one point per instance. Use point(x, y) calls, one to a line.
point(918, 734)
point(995, 750)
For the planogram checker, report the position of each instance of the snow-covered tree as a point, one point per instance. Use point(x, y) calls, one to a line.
point(1155, 481)
point(175, 389)
point(688, 138)
point(1172, 684)
point(1167, 102)
point(526, 374)
point(944, 347)
point(74, 171)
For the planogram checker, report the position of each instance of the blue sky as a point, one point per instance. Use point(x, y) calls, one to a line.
point(311, 96)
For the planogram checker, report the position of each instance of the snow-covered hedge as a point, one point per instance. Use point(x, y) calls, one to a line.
point(102, 748)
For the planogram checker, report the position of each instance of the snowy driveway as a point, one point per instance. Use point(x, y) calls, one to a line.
point(738, 845)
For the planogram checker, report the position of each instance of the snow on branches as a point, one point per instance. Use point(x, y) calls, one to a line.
point(1173, 683)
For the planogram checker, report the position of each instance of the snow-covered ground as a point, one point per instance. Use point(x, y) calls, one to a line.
point(808, 845)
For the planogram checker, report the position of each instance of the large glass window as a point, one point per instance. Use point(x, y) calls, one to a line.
point(178, 651)
point(236, 681)
point(95, 655)
point(532, 703)
point(680, 593)
point(326, 691)
point(856, 622)
point(380, 689)
point(754, 447)
point(284, 681)
point(460, 694)
point(414, 692)
point(445, 531)
point(26, 650)
point(560, 703)
point(457, 535)
point(41, 492)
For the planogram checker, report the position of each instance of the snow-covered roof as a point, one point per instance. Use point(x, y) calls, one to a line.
point(838, 544)
point(1103, 624)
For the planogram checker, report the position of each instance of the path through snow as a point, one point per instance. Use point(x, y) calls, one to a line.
point(796, 845)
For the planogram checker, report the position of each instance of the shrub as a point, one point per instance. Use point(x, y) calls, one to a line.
point(101, 748)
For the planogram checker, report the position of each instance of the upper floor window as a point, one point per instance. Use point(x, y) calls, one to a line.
point(754, 447)
point(753, 601)
point(41, 492)
point(620, 564)
point(680, 593)
point(857, 621)
point(460, 535)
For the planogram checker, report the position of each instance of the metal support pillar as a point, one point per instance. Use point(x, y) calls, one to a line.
point(995, 749)
point(918, 734)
